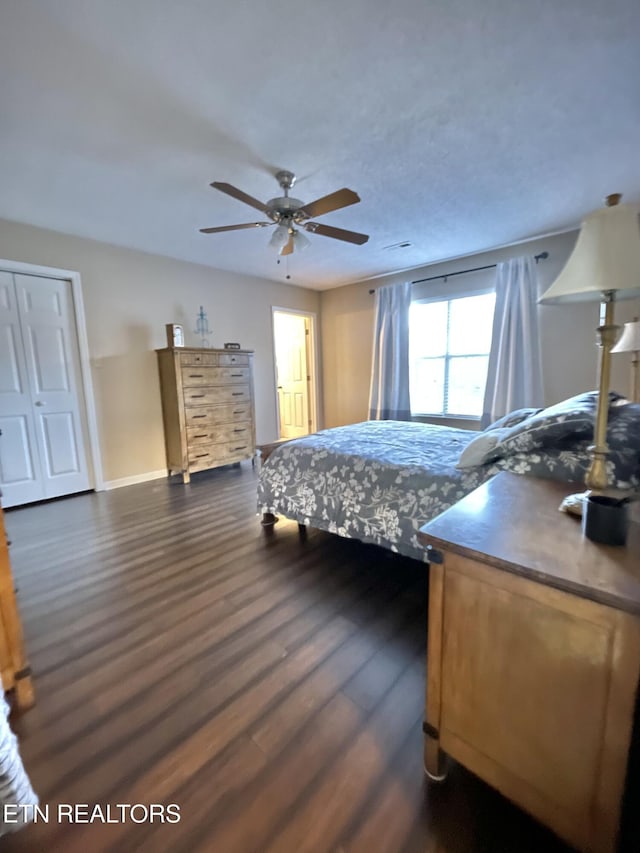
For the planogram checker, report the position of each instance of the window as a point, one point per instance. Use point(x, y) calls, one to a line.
point(449, 343)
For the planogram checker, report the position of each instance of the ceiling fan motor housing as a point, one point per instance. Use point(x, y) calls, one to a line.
point(285, 208)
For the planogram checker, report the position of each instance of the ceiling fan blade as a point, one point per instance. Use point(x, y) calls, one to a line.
point(234, 192)
point(336, 233)
point(333, 201)
point(287, 249)
point(234, 227)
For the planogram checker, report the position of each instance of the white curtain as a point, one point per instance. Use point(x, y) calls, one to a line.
point(389, 395)
point(514, 378)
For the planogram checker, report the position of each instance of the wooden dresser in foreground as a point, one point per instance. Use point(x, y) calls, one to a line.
point(207, 407)
point(534, 655)
point(14, 668)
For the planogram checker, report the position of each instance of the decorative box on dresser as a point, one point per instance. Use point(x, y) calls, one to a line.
point(533, 655)
point(207, 407)
point(14, 667)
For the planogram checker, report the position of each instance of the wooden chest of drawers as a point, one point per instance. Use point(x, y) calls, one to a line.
point(207, 407)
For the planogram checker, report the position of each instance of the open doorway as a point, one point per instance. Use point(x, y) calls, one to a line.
point(296, 383)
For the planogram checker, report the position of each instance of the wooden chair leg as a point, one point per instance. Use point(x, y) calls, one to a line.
point(268, 520)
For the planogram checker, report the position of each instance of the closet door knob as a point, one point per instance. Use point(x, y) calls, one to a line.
point(40, 403)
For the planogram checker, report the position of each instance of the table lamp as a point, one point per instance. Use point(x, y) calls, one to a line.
point(604, 266)
point(630, 342)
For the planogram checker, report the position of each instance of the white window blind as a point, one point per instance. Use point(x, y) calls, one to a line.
point(449, 344)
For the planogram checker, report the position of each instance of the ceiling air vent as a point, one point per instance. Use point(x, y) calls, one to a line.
point(403, 245)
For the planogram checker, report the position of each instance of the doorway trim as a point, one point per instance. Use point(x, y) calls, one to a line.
point(314, 410)
point(95, 467)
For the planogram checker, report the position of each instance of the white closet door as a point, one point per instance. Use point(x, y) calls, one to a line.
point(53, 422)
point(19, 460)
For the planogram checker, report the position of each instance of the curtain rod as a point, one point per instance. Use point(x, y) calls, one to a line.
point(541, 257)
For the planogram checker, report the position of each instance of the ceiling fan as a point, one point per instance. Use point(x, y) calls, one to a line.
point(290, 215)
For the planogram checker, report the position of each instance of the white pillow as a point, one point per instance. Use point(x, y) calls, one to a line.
point(478, 452)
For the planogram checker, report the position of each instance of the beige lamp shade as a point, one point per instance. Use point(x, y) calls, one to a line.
point(630, 338)
point(606, 257)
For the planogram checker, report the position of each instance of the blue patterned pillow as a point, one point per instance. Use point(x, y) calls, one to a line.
point(553, 427)
point(623, 432)
point(512, 419)
point(571, 465)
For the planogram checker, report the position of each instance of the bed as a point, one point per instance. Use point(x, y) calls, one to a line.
point(380, 481)
point(376, 481)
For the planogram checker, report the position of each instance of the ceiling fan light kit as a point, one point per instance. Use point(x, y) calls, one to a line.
point(300, 242)
point(289, 215)
point(279, 238)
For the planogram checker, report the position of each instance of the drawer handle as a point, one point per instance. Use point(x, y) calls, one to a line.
point(196, 376)
point(238, 411)
point(244, 447)
point(243, 429)
point(235, 394)
point(204, 435)
point(201, 455)
point(198, 416)
point(236, 376)
point(196, 396)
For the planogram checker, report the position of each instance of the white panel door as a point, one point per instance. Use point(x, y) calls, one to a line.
point(52, 369)
point(19, 460)
point(291, 361)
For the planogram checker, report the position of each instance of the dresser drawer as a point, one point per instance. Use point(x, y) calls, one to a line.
point(207, 456)
point(209, 434)
point(213, 455)
point(232, 414)
point(202, 358)
point(197, 376)
point(233, 451)
point(201, 415)
point(225, 359)
point(211, 396)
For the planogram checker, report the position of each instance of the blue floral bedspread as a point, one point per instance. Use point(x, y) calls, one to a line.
point(380, 481)
point(377, 481)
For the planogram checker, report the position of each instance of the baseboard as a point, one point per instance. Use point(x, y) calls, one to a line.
point(137, 478)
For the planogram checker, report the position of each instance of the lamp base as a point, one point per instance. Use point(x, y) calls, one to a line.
point(597, 479)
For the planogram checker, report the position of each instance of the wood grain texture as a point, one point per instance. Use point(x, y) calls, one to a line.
point(272, 687)
point(14, 666)
point(532, 687)
point(550, 548)
point(200, 390)
point(433, 759)
point(538, 696)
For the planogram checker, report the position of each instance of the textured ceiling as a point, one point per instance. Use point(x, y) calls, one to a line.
point(462, 125)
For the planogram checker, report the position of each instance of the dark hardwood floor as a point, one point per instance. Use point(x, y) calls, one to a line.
point(271, 686)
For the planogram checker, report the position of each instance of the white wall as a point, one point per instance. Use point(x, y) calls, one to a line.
point(129, 296)
point(569, 353)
